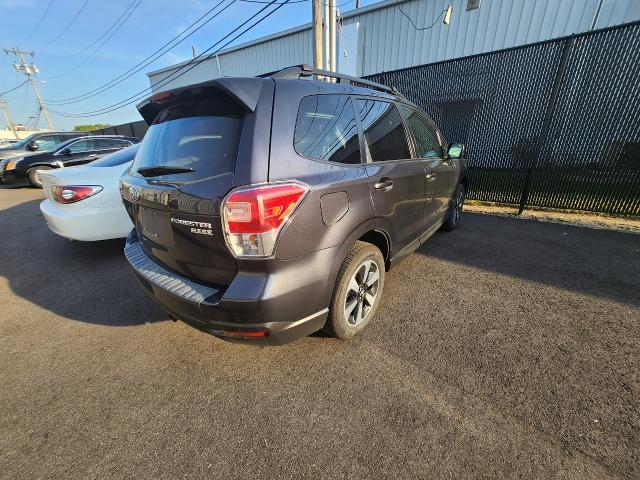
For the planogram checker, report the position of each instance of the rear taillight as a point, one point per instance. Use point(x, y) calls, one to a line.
point(73, 193)
point(253, 217)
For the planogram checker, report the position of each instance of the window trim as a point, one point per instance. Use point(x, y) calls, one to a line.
point(360, 134)
point(368, 160)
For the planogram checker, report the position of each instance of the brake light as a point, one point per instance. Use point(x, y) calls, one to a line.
point(253, 217)
point(73, 193)
point(159, 97)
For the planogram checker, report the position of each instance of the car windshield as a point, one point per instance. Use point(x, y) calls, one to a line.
point(117, 158)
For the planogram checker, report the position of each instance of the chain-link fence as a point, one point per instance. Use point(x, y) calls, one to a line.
point(554, 124)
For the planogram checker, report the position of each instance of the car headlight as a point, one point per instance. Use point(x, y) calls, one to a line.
point(11, 164)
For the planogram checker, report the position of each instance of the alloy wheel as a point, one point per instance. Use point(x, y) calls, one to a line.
point(362, 292)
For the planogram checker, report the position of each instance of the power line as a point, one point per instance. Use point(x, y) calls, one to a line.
point(191, 64)
point(118, 26)
point(421, 28)
point(46, 10)
point(14, 88)
point(88, 47)
point(146, 61)
point(64, 30)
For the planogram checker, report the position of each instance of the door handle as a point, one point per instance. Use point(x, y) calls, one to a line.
point(385, 184)
point(431, 176)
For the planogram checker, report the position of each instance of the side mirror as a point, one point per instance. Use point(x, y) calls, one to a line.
point(455, 150)
point(32, 147)
point(66, 151)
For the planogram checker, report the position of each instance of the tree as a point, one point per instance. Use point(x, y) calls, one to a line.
point(89, 128)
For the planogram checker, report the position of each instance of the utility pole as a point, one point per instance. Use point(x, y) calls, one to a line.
point(30, 69)
point(5, 111)
point(317, 34)
point(325, 37)
point(333, 47)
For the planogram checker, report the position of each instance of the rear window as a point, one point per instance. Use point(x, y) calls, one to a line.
point(201, 135)
point(117, 158)
point(326, 129)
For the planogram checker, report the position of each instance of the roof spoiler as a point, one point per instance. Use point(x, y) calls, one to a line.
point(244, 91)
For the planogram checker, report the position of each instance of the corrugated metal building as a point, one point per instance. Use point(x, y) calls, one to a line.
point(379, 38)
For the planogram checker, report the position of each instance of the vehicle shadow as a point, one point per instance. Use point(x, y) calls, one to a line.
point(599, 263)
point(84, 281)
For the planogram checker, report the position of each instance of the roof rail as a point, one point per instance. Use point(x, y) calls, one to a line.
point(305, 70)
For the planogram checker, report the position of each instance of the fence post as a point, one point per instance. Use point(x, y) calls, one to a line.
point(546, 124)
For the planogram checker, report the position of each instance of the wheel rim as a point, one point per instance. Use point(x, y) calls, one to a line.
point(362, 292)
point(459, 204)
point(36, 176)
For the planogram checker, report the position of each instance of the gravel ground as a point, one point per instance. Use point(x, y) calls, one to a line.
point(506, 349)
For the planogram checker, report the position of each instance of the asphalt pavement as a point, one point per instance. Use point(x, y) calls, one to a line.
point(504, 349)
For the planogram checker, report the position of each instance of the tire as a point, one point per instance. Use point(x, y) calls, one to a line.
point(34, 180)
point(455, 209)
point(350, 310)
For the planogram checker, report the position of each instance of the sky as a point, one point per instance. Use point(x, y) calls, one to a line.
point(73, 62)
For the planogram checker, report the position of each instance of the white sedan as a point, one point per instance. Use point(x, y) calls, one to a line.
point(83, 203)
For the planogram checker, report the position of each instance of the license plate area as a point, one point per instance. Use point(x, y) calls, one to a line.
point(155, 226)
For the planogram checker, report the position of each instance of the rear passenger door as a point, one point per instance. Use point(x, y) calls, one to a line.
point(396, 180)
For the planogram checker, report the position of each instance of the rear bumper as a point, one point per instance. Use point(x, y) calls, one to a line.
point(86, 224)
point(285, 304)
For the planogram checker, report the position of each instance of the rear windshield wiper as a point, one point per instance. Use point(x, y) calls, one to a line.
point(168, 170)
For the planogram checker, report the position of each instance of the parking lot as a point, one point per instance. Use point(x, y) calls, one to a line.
point(504, 349)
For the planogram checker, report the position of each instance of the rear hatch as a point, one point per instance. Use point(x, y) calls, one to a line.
point(183, 170)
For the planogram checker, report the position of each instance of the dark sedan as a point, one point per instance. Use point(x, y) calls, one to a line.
point(37, 142)
point(77, 151)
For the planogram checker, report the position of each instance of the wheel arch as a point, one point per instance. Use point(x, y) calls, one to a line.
point(41, 164)
point(381, 240)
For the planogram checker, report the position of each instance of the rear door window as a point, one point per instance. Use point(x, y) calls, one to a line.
point(383, 130)
point(109, 143)
point(197, 135)
point(424, 133)
point(326, 129)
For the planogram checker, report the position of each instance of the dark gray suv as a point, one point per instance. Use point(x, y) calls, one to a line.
point(268, 208)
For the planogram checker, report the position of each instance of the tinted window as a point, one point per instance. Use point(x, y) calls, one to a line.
point(326, 129)
point(383, 130)
point(106, 143)
point(424, 132)
point(81, 146)
point(117, 158)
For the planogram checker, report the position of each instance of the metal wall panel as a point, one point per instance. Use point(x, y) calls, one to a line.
point(389, 41)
